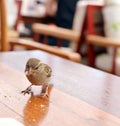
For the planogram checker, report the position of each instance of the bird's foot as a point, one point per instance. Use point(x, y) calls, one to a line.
point(27, 91)
point(43, 95)
point(45, 91)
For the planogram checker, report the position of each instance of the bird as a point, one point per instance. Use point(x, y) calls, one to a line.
point(38, 73)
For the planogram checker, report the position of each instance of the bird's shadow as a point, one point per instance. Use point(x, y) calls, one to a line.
point(36, 109)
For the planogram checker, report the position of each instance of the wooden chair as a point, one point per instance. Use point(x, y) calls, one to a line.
point(54, 31)
point(73, 56)
point(62, 33)
point(90, 19)
point(5, 34)
point(94, 40)
point(5, 42)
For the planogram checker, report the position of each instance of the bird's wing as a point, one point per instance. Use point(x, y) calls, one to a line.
point(47, 70)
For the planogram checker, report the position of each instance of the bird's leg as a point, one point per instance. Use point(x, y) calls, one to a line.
point(28, 90)
point(44, 91)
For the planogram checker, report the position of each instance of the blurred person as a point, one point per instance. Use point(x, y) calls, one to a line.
point(64, 14)
point(51, 7)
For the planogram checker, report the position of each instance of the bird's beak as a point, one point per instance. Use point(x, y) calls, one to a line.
point(28, 72)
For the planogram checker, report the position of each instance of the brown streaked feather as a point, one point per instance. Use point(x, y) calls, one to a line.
point(48, 70)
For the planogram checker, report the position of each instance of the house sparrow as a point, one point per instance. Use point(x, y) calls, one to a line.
point(37, 73)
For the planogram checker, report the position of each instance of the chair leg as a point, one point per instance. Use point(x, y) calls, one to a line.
point(19, 4)
point(45, 39)
point(11, 47)
point(91, 55)
point(36, 37)
point(114, 62)
point(59, 42)
point(80, 43)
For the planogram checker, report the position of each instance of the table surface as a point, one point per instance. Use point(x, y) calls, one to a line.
point(80, 96)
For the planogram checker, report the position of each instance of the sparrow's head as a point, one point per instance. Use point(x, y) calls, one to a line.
point(32, 65)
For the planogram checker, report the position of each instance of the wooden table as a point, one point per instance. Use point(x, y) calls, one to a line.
point(81, 96)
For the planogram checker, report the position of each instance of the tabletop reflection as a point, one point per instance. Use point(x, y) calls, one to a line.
point(36, 109)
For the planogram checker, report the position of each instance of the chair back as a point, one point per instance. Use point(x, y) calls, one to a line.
point(3, 27)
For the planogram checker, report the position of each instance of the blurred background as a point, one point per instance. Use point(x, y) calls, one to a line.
point(87, 17)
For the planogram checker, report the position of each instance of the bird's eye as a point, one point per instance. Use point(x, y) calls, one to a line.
point(36, 67)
